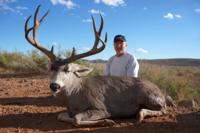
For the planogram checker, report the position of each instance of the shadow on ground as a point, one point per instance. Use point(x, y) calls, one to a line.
point(186, 123)
point(36, 101)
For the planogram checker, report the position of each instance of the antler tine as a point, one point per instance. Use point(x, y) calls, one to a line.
point(27, 30)
point(34, 41)
point(97, 34)
point(36, 24)
point(73, 51)
point(52, 49)
point(43, 17)
point(105, 40)
point(102, 24)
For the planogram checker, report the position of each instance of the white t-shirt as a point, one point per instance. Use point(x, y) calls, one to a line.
point(125, 65)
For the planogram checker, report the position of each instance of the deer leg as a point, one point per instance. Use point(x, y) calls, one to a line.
point(92, 117)
point(146, 112)
point(65, 117)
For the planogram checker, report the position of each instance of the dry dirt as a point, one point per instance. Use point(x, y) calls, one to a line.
point(27, 106)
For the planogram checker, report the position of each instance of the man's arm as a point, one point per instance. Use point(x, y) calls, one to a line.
point(132, 67)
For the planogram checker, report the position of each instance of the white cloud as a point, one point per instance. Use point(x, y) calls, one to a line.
point(5, 6)
point(93, 11)
point(87, 20)
point(6, 1)
point(21, 8)
point(172, 16)
point(169, 16)
point(141, 50)
point(178, 16)
point(68, 3)
point(197, 10)
point(113, 3)
point(16, 10)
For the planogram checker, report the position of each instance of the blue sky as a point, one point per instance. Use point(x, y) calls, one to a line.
point(154, 29)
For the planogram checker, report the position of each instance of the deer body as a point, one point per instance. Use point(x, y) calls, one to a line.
point(92, 101)
point(119, 96)
point(110, 96)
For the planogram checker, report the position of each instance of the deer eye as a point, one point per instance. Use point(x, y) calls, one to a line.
point(66, 69)
point(54, 68)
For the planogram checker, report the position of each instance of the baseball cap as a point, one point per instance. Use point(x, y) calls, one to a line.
point(119, 38)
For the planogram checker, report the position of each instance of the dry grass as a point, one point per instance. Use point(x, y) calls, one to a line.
point(20, 62)
point(177, 81)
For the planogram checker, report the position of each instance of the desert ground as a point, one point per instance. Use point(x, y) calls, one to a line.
point(27, 106)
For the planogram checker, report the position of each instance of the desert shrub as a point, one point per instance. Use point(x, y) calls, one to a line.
point(33, 61)
point(16, 61)
point(38, 58)
point(178, 82)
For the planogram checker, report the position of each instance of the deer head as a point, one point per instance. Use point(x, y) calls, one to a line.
point(63, 71)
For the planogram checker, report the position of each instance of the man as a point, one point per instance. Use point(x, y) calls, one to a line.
point(122, 63)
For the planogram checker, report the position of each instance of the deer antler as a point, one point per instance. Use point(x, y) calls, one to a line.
point(93, 50)
point(34, 41)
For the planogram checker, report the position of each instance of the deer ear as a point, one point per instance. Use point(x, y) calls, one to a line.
point(83, 71)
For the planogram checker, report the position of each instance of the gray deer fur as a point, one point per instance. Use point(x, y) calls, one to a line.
point(92, 100)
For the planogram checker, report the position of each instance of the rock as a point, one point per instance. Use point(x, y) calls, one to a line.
point(187, 103)
point(170, 101)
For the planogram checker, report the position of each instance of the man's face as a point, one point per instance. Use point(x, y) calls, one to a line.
point(120, 47)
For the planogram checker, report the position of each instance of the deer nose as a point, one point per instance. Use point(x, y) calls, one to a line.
point(54, 86)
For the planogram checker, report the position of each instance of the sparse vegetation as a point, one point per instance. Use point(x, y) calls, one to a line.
point(33, 61)
point(19, 62)
point(98, 68)
point(180, 82)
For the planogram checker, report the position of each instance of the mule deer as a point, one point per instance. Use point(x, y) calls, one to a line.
point(93, 100)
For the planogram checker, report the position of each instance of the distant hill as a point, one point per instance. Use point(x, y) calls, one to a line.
point(174, 62)
point(165, 62)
